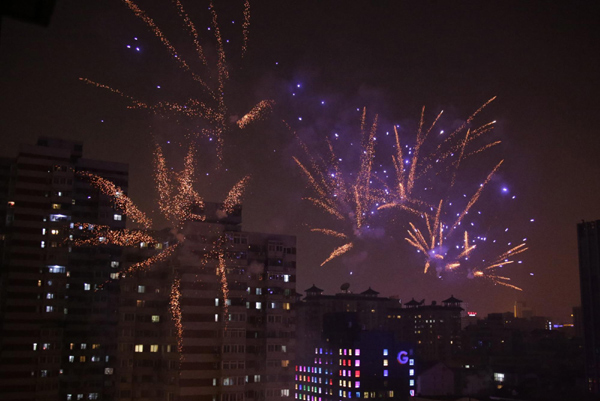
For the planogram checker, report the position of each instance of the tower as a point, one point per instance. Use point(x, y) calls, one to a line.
point(588, 238)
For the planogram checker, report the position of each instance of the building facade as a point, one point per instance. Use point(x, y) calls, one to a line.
point(213, 322)
point(50, 311)
point(588, 238)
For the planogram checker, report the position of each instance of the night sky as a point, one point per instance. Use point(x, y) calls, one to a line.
point(541, 59)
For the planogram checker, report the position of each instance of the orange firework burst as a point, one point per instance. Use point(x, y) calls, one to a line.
point(347, 199)
point(177, 198)
point(118, 197)
point(209, 111)
point(424, 182)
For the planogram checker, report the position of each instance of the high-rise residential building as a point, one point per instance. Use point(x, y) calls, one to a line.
point(387, 339)
point(588, 238)
point(356, 364)
point(50, 312)
point(215, 321)
point(434, 329)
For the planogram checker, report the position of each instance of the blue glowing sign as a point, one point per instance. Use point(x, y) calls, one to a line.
point(402, 357)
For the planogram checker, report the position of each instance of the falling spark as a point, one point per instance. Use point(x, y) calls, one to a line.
point(175, 307)
point(208, 111)
point(348, 198)
point(258, 112)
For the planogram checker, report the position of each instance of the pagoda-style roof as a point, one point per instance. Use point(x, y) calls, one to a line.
point(314, 289)
point(370, 293)
point(451, 300)
point(412, 303)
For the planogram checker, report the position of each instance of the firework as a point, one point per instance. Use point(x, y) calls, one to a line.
point(105, 235)
point(175, 307)
point(423, 184)
point(208, 112)
point(347, 199)
point(177, 198)
point(118, 197)
point(234, 197)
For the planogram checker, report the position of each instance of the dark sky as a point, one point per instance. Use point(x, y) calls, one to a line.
point(540, 58)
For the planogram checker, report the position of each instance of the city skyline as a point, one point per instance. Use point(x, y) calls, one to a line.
point(541, 70)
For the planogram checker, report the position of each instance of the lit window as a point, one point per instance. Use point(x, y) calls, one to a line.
point(86, 286)
point(357, 352)
point(82, 358)
point(385, 373)
point(155, 318)
point(54, 232)
point(357, 362)
point(43, 373)
point(216, 317)
point(114, 264)
point(356, 384)
point(56, 206)
point(154, 348)
point(385, 362)
point(411, 362)
point(140, 303)
point(49, 308)
point(56, 269)
point(385, 352)
point(286, 305)
point(114, 276)
point(216, 301)
point(83, 346)
point(42, 244)
point(93, 396)
point(117, 217)
point(139, 348)
point(286, 278)
point(108, 371)
point(141, 289)
point(258, 305)
point(411, 372)
point(357, 373)
point(71, 358)
point(35, 346)
point(499, 377)
point(411, 382)
point(49, 295)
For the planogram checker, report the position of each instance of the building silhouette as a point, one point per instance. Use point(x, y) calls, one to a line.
point(588, 238)
point(213, 322)
point(51, 316)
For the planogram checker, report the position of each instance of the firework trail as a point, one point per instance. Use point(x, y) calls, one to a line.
point(428, 164)
point(177, 198)
point(209, 111)
point(347, 199)
point(176, 316)
point(178, 202)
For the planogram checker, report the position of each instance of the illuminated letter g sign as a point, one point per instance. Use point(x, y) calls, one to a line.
point(403, 357)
